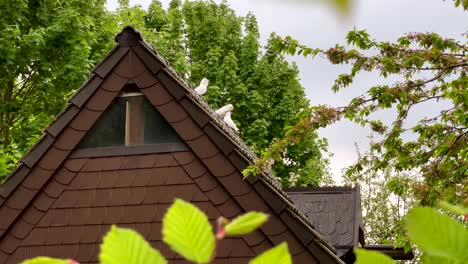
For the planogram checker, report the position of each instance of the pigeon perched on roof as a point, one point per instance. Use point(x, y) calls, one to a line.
point(223, 110)
point(203, 87)
point(229, 122)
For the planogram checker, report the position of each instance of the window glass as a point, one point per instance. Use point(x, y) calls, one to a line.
point(109, 130)
point(157, 129)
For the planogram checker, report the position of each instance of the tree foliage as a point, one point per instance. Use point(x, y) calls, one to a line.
point(48, 48)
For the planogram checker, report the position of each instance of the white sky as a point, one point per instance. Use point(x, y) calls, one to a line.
point(316, 25)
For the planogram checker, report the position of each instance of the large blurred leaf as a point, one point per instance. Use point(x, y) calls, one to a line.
point(437, 234)
point(437, 260)
point(246, 223)
point(370, 257)
point(456, 209)
point(278, 255)
point(45, 260)
point(187, 231)
point(121, 245)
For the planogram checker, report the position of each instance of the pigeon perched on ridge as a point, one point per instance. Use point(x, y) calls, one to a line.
point(203, 87)
point(223, 110)
point(229, 122)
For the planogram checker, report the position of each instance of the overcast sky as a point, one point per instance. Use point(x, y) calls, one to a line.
point(316, 25)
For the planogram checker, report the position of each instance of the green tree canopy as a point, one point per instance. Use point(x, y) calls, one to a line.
point(48, 48)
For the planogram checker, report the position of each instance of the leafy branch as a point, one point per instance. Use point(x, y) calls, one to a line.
point(430, 69)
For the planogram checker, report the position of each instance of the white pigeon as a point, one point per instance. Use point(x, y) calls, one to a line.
point(203, 87)
point(223, 110)
point(229, 122)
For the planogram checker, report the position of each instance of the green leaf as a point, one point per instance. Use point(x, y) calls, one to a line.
point(278, 255)
point(45, 260)
point(456, 209)
point(437, 260)
point(370, 257)
point(437, 234)
point(246, 223)
point(121, 245)
point(187, 231)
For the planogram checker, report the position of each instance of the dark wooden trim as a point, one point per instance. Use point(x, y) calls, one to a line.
point(109, 62)
point(194, 110)
point(169, 82)
point(129, 150)
point(298, 228)
point(269, 195)
point(14, 179)
point(154, 65)
point(38, 150)
point(88, 89)
point(239, 161)
point(219, 138)
point(325, 189)
point(321, 254)
point(62, 120)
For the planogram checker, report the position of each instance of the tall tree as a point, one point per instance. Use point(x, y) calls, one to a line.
point(48, 48)
point(203, 39)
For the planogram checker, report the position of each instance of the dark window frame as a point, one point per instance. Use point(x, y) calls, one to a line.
point(129, 150)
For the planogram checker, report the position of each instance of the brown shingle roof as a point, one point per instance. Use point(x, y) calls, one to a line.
point(50, 181)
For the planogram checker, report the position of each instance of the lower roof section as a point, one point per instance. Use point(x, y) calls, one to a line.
point(335, 213)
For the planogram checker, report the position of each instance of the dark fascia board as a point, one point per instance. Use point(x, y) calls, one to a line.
point(171, 83)
point(13, 180)
point(270, 196)
point(195, 111)
point(129, 150)
point(325, 189)
point(86, 91)
point(110, 61)
point(219, 138)
point(63, 120)
point(145, 55)
point(38, 150)
point(323, 254)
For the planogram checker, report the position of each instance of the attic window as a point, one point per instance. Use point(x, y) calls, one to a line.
point(131, 121)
